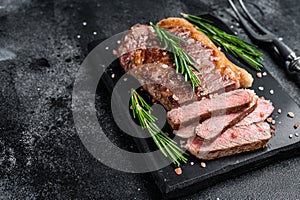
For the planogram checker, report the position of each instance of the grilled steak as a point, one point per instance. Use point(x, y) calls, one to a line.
point(217, 73)
point(215, 117)
point(164, 84)
point(234, 140)
point(263, 110)
point(220, 104)
point(214, 126)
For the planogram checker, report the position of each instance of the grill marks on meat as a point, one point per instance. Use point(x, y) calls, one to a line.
point(220, 104)
point(235, 140)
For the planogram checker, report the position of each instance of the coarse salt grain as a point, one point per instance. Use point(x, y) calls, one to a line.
point(264, 74)
point(203, 164)
point(291, 114)
point(113, 76)
point(106, 48)
point(261, 114)
point(259, 75)
point(273, 121)
point(271, 91)
point(192, 163)
point(290, 136)
point(261, 88)
point(279, 111)
point(269, 119)
point(178, 171)
point(296, 125)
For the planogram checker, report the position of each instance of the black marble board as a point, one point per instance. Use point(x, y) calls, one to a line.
point(195, 177)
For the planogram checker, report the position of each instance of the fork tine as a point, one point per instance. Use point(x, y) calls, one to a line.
point(253, 21)
point(245, 23)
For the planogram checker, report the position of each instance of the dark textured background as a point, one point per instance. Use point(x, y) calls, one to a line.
point(41, 155)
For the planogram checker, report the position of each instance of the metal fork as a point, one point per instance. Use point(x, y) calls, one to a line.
point(266, 36)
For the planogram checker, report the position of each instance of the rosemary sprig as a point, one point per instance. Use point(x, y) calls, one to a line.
point(141, 112)
point(230, 43)
point(183, 61)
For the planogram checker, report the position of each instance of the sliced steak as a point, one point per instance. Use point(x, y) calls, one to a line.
point(234, 140)
point(217, 73)
point(220, 104)
point(215, 126)
point(263, 110)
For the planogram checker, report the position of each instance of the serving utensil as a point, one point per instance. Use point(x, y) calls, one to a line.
point(264, 35)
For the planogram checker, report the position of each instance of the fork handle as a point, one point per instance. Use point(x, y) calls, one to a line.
point(283, 49)
point(288, 55)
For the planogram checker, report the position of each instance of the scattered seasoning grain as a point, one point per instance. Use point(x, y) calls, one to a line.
point(203, 164)
point(290, 136)
point(113, 76)
point(261, 114)
point(296, 134)
point(115, 52)
point(291, 114)
point(119, 42)
point(235, 134)
point(125, 79)
point(273, 121)
point(106, 48)
point(269, 119)
point(175, 97)
point(271, 91)
point(178, 171)
point(192, 163)
point(261, 88)
point(296, 125)
point(264, 74)
point(139, 189)
point(279, 111)
point(259, 75)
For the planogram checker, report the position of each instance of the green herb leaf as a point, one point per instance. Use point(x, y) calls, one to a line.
point(183, 61)
point(230, 43)
point(141, 112)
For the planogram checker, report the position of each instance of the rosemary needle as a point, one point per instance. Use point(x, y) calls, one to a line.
point(230, 43)
point(167, 146)
point(183, 61)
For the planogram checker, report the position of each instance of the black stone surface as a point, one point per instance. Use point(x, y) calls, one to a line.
point(41, 155)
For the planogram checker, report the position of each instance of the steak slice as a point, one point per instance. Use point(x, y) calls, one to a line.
point(200, 110)
point(215, 126)
point(263, 110)
point(235, 140)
